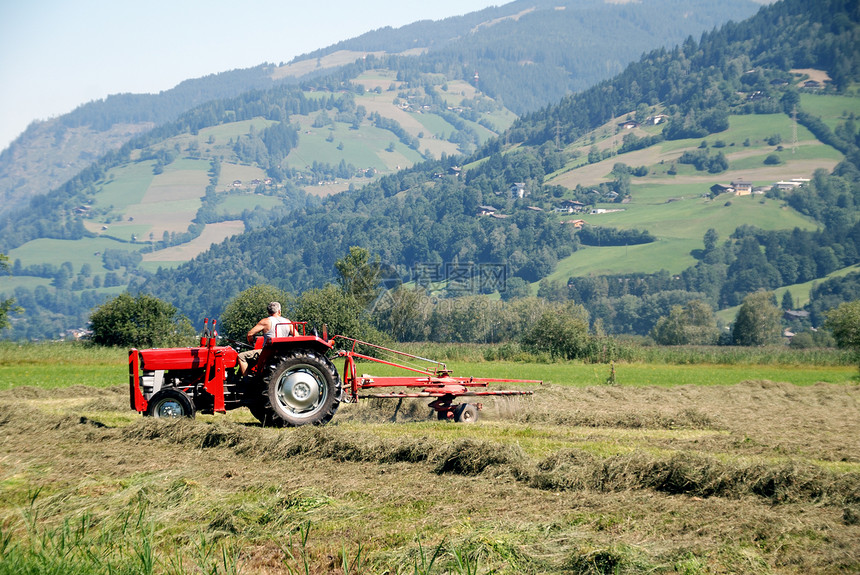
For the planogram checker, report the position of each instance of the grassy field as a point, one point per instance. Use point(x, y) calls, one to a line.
point(753, 470)
point(831, 109)
point(799, 293)
point(675, 207)
point(678, 226)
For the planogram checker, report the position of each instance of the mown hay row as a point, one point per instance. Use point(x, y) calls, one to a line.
point(683, 473)
point(696, 475)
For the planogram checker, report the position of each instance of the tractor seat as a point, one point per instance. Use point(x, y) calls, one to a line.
point(284, 329)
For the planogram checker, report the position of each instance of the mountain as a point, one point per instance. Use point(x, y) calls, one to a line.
point(719, 109)
point(530, 53)
point(527, 54)
point(50, 152)
point(424, 222)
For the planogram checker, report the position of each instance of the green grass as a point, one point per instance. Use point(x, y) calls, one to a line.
point(60, 375)
point(62, 364)
point(799, 292)
point(361, 148)
point(501, 120)
point(806, 151)
point(577, 374)
point(832, 110)
point(679, 227)
point(236, 204)
point(8, 284)
point(58, 365)
point(125, 186)
point(435, 125)
point(78, 252)
point(224, 132)
point(672, 255)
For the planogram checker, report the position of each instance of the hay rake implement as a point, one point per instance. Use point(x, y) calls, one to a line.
point(435, 381)
point(294, 381)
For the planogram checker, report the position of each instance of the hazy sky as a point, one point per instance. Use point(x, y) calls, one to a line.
point(58, 54)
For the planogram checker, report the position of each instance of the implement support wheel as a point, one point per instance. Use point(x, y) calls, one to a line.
point(466, 413)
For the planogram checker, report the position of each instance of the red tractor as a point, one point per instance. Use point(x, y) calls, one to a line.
point(292, 383)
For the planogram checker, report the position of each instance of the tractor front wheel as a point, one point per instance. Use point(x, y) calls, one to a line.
point(170, 403)
point(303, 388)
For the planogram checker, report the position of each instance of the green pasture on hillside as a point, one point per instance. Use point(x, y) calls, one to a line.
point(184, 164)
point(223, 132)
point(237, 203)
point(8, 284)
point(832, 109)
point(756, 128)
point(679, 226)
point(484, 134)
point(679, 213)
point(361, 148)
point(501, 120)
point(672, 255)
point(690, 217)
point(126, 185)
point(805, 151)
point(376, 77)
point(78, 252)
point(799, 292)
point(435, 125)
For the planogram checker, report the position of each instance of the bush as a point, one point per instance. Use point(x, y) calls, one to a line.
point(246, 309)
point(757, 321)
point(561, 331)
point(142, 321)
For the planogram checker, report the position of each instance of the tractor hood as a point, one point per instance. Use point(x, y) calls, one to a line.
point(185, 357)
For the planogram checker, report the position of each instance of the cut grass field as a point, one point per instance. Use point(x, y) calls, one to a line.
point(751, 475)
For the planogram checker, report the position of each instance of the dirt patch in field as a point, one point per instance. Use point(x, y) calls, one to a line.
point(819, 76)
point(599, 172)
point(212, 234)
point(797, 169)
point(388, 110)
point(302, 67)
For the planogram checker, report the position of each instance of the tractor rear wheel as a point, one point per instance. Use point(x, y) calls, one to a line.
point(170, 403)
point(264, 414)
point(303, 388)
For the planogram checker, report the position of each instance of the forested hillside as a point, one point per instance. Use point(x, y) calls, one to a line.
point(417, 217)
point(52, 151)
point(527, 53)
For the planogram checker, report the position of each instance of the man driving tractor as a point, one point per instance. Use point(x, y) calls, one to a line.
point(267, 325)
